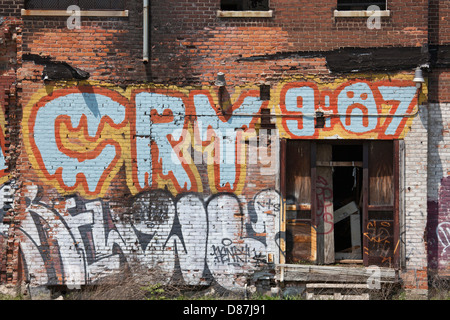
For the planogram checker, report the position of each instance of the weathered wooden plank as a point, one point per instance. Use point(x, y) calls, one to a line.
point(352, 261)
point(283, 151)
point(365, 195)
point(348, 257)
point(316, 273)
point(345, 211)
point(282, 239)
point(299, 241)
point(306, 207)
point(325, 212)
point(380, 207)
point(314, 239)
point(339, 163)
point(355, 230)
point(396, 203)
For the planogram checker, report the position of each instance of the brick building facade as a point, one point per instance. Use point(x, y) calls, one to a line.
point(317, 147)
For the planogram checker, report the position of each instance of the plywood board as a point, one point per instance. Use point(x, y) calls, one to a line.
point(381, 173)
point(345, 211)
point(355, 227)
point(300, 241)
point(298, 172)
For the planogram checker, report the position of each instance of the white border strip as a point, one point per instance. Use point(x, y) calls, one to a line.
point(362, 13)
point(83, 13)
point(244, 14)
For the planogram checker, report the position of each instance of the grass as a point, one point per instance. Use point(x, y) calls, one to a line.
point(163, 292)
point(10, 297)
point(144, 284)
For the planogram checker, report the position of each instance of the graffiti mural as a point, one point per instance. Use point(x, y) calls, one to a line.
point(443, 235)
point(380, 240)
point(355, 109)
point(79, 137)
point(203, 239)
point(187, 157)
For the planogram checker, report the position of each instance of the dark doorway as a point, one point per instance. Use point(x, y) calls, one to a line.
point(341, 201)
point(347, 201)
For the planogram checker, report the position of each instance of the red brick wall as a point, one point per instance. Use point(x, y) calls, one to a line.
point(207, 44)
point(10, 38)
point(110, 49)
point(190, 44)
point(439, 22)
point(10, 7)
point(439, 34)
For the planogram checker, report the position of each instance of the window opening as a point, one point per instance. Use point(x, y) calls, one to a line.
point(244, 5)
point(349, 5)
point(83, 4)
point(341, 201)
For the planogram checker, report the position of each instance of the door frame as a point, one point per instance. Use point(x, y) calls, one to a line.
point(365, 190)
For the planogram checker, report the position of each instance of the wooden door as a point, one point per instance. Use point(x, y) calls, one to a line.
point(297, 192)
point(307, 190)
point(308, 193)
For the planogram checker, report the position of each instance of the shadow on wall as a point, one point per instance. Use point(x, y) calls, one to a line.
point(193, 239)
point(438, 222)
point(438, 228)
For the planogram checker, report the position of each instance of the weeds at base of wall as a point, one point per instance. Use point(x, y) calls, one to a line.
point(439, 287)
point(133, 291)
point(145, 284)
point(10, 297)
point(139, 283)
point(136, 284)
point(10, 293)
point(148, 287)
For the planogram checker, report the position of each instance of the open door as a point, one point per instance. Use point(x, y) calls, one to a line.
point(308, 191)
point(347, 165)
point(341, 201)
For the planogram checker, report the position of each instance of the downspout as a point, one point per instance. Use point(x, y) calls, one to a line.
point(145, 31)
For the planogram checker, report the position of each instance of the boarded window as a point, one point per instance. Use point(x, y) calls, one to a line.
point(244, 5)
point(83, 4)
point(359, 4)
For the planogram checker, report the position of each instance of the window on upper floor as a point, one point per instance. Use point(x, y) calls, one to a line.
point(349, 5)
point(244, 5)
point(83, 4)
